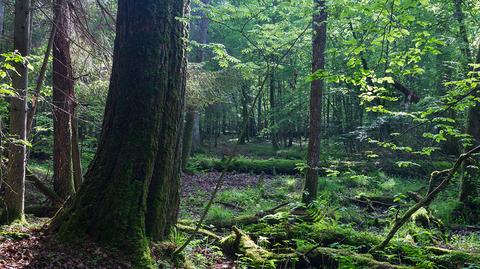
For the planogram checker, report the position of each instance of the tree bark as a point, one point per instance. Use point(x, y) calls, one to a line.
point(131, 190)
point(76, 154)
point(187, 137)
point(62, 103)
point(191, 137)
point(2, 18)
point(273, 127)
point(470, 189)
point(317, 87)
point(14, 193)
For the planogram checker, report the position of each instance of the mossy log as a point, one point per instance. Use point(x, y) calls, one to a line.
point(449, 258)
point(239, 243)
point(322, 257)
point(191, 229)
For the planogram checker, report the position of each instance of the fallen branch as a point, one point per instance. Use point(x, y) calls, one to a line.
point(250, 219)
point(233, 206)
point(415, 196)
point(370, 202)
point(426, 200)
point(41, 211)
point(190, 229)
point(51, 195)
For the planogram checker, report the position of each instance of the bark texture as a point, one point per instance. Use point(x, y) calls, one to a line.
point(317, 87)
point(14, 193)
point(63, 99)
point(131, 189)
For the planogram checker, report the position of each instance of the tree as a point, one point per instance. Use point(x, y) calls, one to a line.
point(317, 87)
point(469, 189)
point(191, 136)
point(63, 99)
point(14, 194)
point(131, 190)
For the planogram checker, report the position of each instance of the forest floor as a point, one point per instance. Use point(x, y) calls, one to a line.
point(353, 213)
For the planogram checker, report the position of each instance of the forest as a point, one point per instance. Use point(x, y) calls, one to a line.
point(240, 134)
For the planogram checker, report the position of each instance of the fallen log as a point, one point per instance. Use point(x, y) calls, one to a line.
point(249, 219)
point(415, 196)
point(191, 229)
point(372, 201)
point(240, 243)
point(230, 205)
point(41, 187)
point(323, 257)
point(41, 211)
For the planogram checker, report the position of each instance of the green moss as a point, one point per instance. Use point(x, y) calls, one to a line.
point(270, 166)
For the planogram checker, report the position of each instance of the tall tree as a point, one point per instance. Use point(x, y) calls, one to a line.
point(319, 43)
point(191, 136)
point(131, 190)
point(469, 189)
point(14, 194)
point(63, 99)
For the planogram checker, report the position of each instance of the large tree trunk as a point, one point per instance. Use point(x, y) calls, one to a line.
point(62, 102)
point(470, 189)
point(14, 194)
point(131, 190)
point(317, 87)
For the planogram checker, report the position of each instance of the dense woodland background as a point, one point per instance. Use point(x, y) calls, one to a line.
point(240, 134)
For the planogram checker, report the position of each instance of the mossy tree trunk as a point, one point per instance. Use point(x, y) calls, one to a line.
point(63, 99)
point(131, 190)
point(14, 194)
point(317, 87)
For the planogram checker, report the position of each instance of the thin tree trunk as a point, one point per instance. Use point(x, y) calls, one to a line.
point(317, 88)
point(76, 154)
point(131, 190)
point(187, 137)
point(63, 99)
point(272, 113)
point(15, 182)
point(2, 19)
point(191, 137)
point(41, 78)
